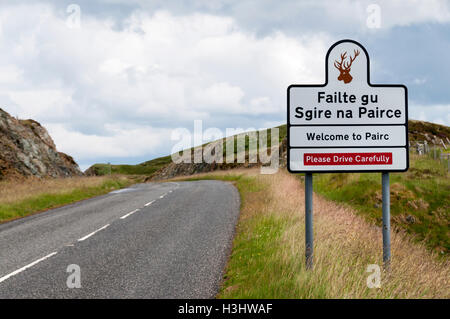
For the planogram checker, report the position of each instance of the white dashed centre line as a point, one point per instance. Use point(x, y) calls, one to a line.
point(162, 196)
point(130, 213)
point(26, 267)
point(149, 203)
point(93, 233)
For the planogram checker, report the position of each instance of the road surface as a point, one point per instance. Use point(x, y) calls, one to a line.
point(157, 240)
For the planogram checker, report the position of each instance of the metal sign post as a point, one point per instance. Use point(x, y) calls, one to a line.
point(347, 124)
point(386, 220)
point(309, 238)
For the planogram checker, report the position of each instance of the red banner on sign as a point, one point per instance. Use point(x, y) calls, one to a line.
point(318, 159)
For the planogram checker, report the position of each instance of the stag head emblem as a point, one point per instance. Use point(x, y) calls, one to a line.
point(344, 67)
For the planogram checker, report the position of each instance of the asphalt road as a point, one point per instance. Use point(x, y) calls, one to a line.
point(162, 240)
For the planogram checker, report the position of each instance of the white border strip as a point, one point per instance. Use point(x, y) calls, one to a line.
point(26, 267)
point(130, 213)
point(93, 233)
point(149, 203)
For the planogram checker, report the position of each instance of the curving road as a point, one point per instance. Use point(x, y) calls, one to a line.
point(157, 240)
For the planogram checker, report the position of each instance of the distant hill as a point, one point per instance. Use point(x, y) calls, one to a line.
point(420, 131)
point(26, 149)
point(146, 168)
point(162, 167)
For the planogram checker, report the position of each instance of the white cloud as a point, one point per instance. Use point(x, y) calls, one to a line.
point(160, 72)
point(120, 142)
point(420, 81)
point(354, 13)
point(10, 75)
point(408, 12)
point(34, 103)
point(307, 15)
point(437, 113)
point(112, 92)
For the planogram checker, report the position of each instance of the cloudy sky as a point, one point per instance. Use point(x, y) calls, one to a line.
point(111, 79)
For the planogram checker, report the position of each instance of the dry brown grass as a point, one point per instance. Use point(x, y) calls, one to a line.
point(17, 191)
point(344, 245)
point(32, 195)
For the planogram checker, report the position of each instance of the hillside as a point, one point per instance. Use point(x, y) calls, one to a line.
point(268, 255)
point(146, 168)
point(420, 131)
point(162, 167)
point(26, 149)
point(420, 198)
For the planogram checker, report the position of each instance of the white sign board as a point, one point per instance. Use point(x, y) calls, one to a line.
point(347, 124)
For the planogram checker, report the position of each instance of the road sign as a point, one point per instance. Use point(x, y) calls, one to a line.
point(347, 124)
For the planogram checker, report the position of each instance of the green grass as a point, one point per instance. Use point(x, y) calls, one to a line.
point(251, 260)
point(52, 199)
point(416, 133)
point(282, 132)
point(255, 242)
point(150, 167)
point(255, 270)
point(420, 199)
point(267, 258)
point(146, 168)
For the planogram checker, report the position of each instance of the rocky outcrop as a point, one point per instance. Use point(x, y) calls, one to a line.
point(26, 149)
point(419, 132)
point(185, 169)
point(432, 133)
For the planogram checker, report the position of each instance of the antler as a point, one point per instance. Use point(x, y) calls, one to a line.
point(338, 65)
point(348, 65)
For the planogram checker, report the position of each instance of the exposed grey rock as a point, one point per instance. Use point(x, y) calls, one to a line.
point(186, 169)
point(410, 219)
point(26, 149)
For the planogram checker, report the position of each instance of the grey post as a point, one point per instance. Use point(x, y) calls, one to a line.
point(386, 220)
point(309, 220)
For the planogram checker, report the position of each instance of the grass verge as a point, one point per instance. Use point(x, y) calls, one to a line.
point(420, 199)
point(146, 168)
point(19, 199)
point(267, 259)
